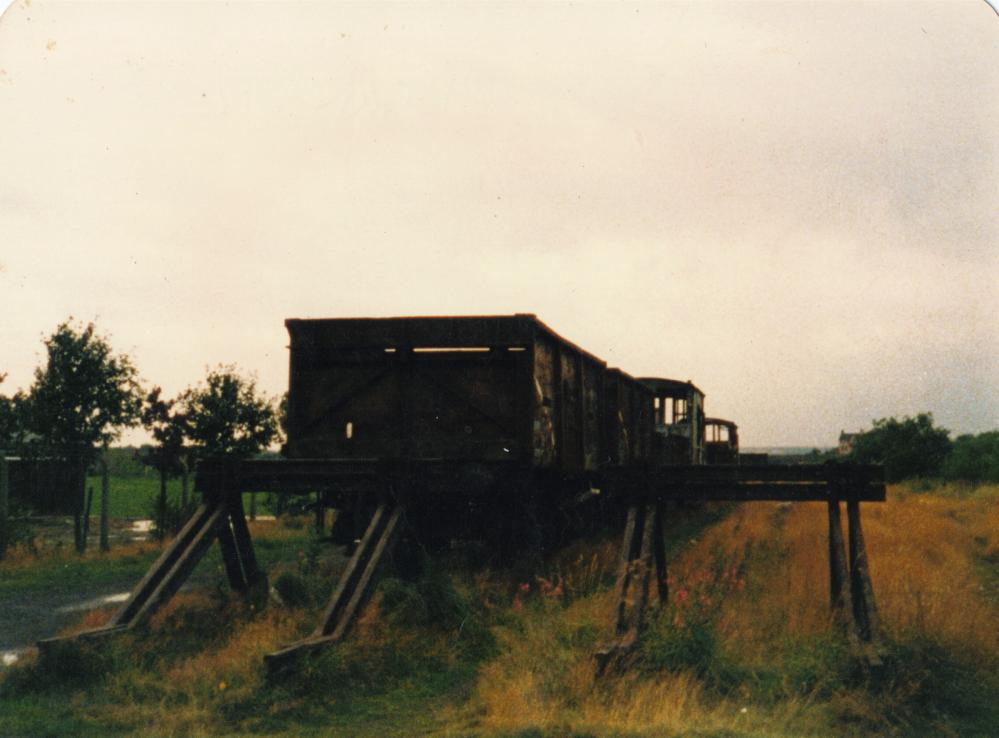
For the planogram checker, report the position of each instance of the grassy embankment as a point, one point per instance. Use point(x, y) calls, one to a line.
point(745, 649)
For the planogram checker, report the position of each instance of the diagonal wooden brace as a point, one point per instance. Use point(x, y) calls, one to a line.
point(865, 609)
point(634, 570)
point(352, 590)
point(221, 516)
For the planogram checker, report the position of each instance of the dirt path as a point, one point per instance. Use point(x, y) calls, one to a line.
point(30, 616)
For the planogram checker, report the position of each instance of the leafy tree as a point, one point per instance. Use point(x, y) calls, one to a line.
point(80, 400)
point(169, 429)
point(12, 419)
point(910, 447)
point(974, 458)
point(283, 414)
point(227, 417)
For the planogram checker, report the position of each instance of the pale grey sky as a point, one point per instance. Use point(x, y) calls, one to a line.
point(792, 204)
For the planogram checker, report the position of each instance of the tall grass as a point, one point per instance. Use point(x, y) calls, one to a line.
point(746, 646)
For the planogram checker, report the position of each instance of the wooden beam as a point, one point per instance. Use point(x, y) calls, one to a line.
point(352, 590)
point(255, 576)
point(230, 557)
point(643, 568)
point(861, 590)
point(4, 502)
point(659, 551)
point(839, 591)
point(181, 569)
point(162, 565)
point(624, 571)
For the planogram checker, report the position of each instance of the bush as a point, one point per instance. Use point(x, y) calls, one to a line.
point(974, 458)
point(433, 603)
point(293, 590)
point(911, 447)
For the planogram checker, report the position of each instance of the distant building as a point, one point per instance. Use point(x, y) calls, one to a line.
point(846, 441)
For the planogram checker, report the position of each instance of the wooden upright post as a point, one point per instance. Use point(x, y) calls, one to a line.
point(659, 550)
point(643, 566)
point(230, 557)
point(861, 590)
point(256, 579)
point(839, 591)
point(4, 502)
point(234, 536)
point(839, 595)
point(105, 504)
point(624, 572)
point(80, 497)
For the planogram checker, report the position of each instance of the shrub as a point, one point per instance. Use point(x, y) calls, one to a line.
point(293, 589)
point(911, 447)
point(974, 458)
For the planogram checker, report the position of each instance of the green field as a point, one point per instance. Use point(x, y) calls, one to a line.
point(136, 496)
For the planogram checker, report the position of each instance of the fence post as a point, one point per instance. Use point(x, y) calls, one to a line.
point(183, 483)
point(4, 502)
point(105, 504)
point(80, 499)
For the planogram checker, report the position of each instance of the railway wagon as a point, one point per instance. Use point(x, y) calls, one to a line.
point(721, 441)
point(679, 421)
point(499, 410)
point(629, 419)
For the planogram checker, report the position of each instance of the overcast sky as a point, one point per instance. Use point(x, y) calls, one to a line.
point(792, 204)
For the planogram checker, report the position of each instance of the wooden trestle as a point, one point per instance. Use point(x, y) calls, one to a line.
point(220, 516)
point(647, 490)
point(643, 490)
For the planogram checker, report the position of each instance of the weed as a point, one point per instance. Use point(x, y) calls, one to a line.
point(293, 589)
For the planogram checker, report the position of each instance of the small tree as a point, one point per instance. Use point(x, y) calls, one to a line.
point(80, 400)
point(169, 429)
point(911, 447)
point(227, 417)
point(12, 412)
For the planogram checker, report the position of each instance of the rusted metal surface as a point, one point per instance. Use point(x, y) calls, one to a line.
point(629, 419)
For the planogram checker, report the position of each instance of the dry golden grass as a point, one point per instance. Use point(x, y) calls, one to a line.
point(286, 527)
point(23, 557)
point(924, 564)
point(925, 555)
point(181, 695)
